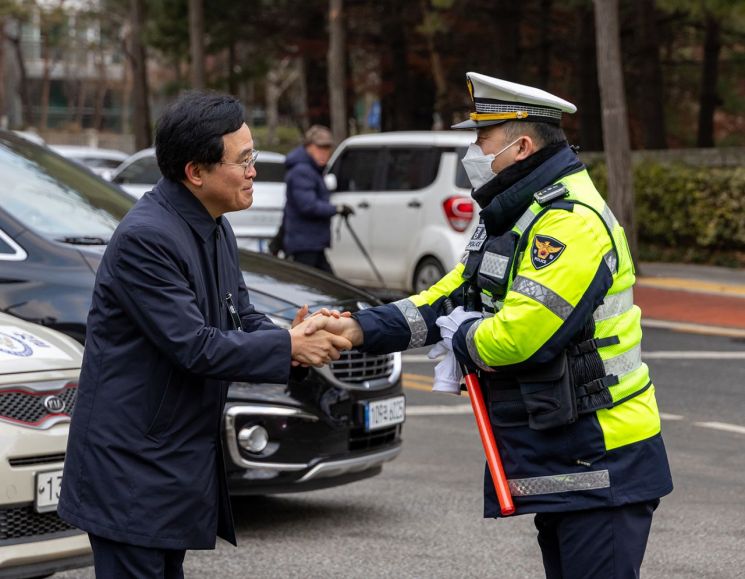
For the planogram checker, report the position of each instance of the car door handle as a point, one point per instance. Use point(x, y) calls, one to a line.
point(414, 203)
point(363, 205)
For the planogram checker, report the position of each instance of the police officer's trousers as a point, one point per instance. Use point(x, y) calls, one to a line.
point(607, 543)
point(114, 560)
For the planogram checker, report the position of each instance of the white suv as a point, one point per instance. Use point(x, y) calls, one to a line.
point(39, 371)
point(413, 208)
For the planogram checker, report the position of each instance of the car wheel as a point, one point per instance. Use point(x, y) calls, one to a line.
point(427, 273)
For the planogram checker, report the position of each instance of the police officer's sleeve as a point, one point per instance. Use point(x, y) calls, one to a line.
point(152, 288)
point(302, 187)
point(563, 275)
point(410, 323)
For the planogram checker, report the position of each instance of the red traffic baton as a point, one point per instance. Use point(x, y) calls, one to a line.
point(502, 488)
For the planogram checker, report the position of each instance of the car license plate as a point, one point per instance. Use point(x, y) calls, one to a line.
point(48, 486)
point(382, 413)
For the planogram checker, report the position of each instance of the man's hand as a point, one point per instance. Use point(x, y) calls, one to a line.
point(316, 349)
point(344, 210)
point(345, 325)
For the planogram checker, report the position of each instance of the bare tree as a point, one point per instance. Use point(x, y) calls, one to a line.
point(650, 90)
point(142, 128)
point(709, 94)
point(615, 121)
point(281, 76)
point(336, 74)
point(196, 43)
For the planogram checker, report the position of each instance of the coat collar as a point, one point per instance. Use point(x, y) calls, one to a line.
point(188, 207)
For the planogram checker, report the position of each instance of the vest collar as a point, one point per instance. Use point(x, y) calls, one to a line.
point(506, 207)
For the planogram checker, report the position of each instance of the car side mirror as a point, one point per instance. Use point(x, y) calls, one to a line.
point(330, 180)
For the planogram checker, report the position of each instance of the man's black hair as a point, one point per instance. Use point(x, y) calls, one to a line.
point(543, 134)
point(191, 129)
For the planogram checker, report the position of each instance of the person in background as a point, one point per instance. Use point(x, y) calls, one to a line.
point(306, 223)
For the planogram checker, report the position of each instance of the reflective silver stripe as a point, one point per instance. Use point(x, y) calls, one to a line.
point(494, 264)
point(417, 325)
point(559, 483)
point(609, 218)
point(473, 351)
point(540, 293)
point(611, 260)
point(614, 305)
point(464, 258)
point(525, 220)
point(625, 363)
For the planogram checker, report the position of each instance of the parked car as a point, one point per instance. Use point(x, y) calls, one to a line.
point(327, 427)
point(253, 227)
point(413, 209)
point(101, 161)
point(39, 371)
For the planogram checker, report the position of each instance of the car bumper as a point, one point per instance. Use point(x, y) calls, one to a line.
point(39, 558)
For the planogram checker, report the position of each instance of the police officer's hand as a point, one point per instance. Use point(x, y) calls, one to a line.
point(345, 325)
point(344, 210)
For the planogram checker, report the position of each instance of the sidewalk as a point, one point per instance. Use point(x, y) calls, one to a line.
point(692, 298)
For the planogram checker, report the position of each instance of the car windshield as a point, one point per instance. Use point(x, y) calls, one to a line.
point(57, 198)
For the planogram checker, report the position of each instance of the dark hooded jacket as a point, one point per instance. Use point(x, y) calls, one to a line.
point(308, 212)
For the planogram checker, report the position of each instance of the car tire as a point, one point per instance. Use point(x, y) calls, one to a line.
point(427, 273)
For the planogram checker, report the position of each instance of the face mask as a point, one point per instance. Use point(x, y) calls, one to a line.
point(478, 165)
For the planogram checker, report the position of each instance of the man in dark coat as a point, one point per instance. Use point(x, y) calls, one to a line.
point(170, 324)
point(308, 211)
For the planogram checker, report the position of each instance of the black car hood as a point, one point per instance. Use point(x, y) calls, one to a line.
point(271, 281)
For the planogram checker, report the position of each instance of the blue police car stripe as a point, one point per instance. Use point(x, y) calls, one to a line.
point(417, 325)
point(540, 293)
point(559, 483)
point(614, 305)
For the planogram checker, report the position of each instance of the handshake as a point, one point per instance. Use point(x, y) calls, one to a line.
point(319, 338)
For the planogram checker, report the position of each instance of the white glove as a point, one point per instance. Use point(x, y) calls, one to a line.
point(449, 324)
point(447, 373)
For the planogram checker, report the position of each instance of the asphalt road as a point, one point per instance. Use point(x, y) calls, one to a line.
point(422, 517)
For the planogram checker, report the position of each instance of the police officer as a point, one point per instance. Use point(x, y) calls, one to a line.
point(170, 324)
point(546, 318)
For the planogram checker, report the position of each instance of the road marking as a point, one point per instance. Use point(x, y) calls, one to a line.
point(693, 286)
point(721, 426)
point(666, 416)
point(418, 378)
point(694, 328)
point(693, 355)
point(417, 386)
point(438, 410)
point(419, 358)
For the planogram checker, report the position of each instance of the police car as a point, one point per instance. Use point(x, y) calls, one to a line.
point(39, 370)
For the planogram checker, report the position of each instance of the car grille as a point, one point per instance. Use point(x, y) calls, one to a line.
point(19, 523)
point(354, 366)
point(27, 407)
point(361, 440)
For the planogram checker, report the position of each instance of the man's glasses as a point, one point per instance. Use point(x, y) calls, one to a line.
point(247, 164)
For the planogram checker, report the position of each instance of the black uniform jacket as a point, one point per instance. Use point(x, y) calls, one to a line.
point(144, 461)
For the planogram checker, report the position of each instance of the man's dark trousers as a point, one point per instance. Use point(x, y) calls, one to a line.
point(114, 560)
point(315, 259)
point(606, 543)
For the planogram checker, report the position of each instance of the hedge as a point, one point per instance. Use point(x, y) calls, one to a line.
point(687, 213)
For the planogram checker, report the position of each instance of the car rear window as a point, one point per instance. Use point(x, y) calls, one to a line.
point(461, 178)
point(407, 168)
point(143, 171)
point(355, 170)
point(269, 171)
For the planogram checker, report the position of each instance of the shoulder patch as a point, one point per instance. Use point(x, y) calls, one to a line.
point(545, 251)
point(477, 239)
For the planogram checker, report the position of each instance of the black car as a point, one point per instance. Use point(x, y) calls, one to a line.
point(329, 426)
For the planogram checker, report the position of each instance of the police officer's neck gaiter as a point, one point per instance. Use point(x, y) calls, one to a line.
point(508, 195)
